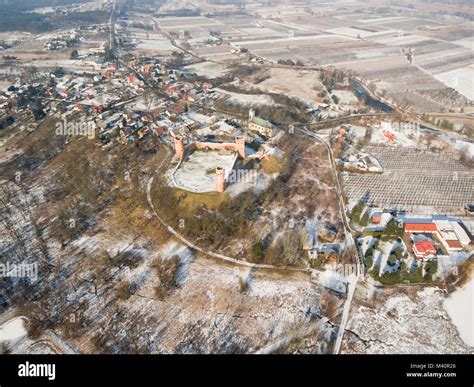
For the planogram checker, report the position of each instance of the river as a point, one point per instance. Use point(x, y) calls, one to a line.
point(362, 93)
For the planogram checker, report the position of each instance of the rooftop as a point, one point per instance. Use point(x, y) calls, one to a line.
point(420, 227)
point(261, 122)
point(424, 247)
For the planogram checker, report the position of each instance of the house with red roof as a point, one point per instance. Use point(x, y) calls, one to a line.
point(132, 78)
point(376, 217)
point(423, 249)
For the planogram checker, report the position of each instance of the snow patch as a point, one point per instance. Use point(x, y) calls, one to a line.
point(13, 329)
point(460, 307)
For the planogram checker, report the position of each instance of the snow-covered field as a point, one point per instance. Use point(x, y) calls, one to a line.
point(208, 313)
point(410, 320)
point(301, 84)
point(460, 307)
point(158, 45)
point(207, 69)
point(346, 97)
point(13, 329)
point(248, 99)
point(197, 173)
point(461, 80)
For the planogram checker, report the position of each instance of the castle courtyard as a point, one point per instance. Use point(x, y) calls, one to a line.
point(197, 172)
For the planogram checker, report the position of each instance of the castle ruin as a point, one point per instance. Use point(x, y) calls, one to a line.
point(181, 149)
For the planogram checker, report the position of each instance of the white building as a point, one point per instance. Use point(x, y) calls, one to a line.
point(260, 125)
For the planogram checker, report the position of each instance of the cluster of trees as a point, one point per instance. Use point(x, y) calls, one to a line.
point(290, 62)
point(287, 249)
point(332, 77)
point(395, 255)
point(369, 256)
point(82, 189)
point(358, 214)
point(241, 71)
point(403, 274)
point(445, 124)
point(465, 157)
point(418, 273)
point(109, 54)
point(177, 58)
point(392, 231)
point(166, 271)
point(258, 250)
point(285, 111)
point(138, 339)
point(233, 219)
point(6, 121)
point(12, 19)
point(412, 275)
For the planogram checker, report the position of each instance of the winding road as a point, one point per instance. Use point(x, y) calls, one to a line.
point(212, 254)
point(350, 243)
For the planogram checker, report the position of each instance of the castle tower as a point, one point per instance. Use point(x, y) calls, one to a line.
point(240, 145)
point(251, 114)
point(179, 147)
point(220, 179)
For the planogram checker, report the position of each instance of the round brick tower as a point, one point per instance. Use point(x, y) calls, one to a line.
point(179, 147)
point(220, 179)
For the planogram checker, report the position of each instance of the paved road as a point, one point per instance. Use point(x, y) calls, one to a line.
point(350, 243)
point(345, 314)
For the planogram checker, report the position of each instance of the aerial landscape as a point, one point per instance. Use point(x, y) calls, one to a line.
point(236, 177)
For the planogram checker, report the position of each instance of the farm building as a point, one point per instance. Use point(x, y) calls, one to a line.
point(452, 234)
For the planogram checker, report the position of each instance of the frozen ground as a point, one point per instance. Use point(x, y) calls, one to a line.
point(208, 306)
point(460, 307)
point(207, 311)
point(156, 45)
point(145, 102)
point(248, 99)
point(302, 84)
point(207, 69)
point(461, 80)
point(197, 173)
point(346, 97)
point(256, 182)
point(13, 329)
point(401, 320)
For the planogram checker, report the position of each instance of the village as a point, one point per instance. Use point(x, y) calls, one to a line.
point(152, 103)
point(166, 162)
